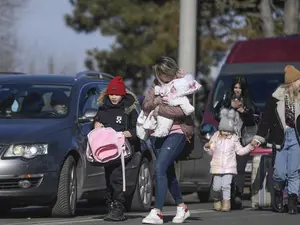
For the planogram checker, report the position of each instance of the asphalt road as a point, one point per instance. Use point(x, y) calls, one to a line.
point(201, 214)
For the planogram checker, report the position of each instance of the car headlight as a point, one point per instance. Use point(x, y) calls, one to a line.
point(26, 151)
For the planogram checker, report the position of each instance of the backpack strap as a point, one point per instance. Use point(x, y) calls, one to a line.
point(126, 121)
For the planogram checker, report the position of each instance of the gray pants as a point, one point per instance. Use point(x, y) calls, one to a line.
point(222, 182)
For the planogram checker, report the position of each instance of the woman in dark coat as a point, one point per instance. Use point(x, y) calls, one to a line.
point(279, 129)
point(238, 97)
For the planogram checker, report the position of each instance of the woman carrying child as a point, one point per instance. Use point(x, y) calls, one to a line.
point(168, 148)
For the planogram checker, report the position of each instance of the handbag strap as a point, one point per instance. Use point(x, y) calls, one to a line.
point(126, 121)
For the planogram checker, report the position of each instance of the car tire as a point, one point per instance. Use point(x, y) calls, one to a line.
point(142, 196)
point(204, 196)
point(65, 205)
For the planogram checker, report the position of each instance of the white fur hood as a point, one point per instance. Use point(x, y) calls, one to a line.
point(279, 93)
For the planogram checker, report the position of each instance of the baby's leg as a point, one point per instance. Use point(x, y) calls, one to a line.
point(163, 126)
point(150, 122)
point(184, 103)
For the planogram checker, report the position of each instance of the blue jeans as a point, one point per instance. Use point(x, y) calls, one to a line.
point(287, 164)
point(167, 150)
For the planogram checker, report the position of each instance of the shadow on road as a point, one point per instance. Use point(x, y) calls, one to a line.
point(45, 212)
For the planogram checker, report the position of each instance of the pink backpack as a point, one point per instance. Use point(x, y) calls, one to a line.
point(105, 145)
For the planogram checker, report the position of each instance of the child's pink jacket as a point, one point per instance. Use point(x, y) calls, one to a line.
point(223, 151)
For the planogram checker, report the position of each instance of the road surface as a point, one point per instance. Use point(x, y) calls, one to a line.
point(202, 213)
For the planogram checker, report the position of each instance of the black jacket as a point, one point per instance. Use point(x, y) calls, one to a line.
point(120, 117)
point(247, 116)
point(271, 129)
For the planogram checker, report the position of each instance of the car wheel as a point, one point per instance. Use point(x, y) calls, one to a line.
point(65, 205)
point(204, 196)
point(142, 196)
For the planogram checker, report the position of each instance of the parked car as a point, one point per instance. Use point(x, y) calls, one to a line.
point(43, 159)
point(262, 62)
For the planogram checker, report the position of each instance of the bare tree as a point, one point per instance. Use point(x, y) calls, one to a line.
point(291, 16)
point(8, 39)
point(267, 18)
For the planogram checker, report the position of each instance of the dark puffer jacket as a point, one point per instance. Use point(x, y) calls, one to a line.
point(120, 117)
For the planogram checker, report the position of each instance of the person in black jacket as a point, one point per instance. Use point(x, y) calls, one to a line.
point(238, 98)
point(279, 129)
point(117, 110)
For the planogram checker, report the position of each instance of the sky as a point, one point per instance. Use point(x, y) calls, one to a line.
point(42, 34)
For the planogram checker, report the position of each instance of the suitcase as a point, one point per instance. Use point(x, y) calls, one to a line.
point(261, 182)
point(262, 193)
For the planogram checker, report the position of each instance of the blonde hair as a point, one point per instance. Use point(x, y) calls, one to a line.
point(225, 134)
point(292, 90)
point(165, 66)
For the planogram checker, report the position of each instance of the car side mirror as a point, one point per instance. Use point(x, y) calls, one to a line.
point(88, 115)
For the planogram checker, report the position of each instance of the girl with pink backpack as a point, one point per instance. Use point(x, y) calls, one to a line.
point(117, 111)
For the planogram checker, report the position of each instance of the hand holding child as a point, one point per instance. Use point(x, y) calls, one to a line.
point(157, 100)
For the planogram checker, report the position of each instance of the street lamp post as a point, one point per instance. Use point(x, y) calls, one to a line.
point(187, 36)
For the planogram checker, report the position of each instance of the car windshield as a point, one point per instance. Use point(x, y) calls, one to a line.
point(260, 87)
point(34, 101)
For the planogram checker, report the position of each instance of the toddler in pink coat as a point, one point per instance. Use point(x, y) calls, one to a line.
point(223, 146)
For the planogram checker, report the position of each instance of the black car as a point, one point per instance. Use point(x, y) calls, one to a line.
point(43, 160)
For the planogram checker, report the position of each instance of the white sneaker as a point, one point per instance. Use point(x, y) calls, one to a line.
point(182, 214)
point(154, 217)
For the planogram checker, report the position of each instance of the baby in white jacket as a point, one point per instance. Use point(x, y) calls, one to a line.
point(176, 91)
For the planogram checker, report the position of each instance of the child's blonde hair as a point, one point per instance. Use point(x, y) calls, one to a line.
point(225, 134)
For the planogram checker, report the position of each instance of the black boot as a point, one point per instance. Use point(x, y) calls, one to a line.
point(292, 204)
point(110, 207)
point(278, 200)
point(238, 200)
point(278, 197)
point(116, 213)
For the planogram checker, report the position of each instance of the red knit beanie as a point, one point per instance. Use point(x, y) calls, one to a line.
point(116, 87)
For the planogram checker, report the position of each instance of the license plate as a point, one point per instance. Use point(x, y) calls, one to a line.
point(248, 167)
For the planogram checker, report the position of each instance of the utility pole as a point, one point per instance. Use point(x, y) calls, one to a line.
point(187, 36)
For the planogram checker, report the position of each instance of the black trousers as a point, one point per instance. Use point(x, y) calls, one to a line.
point(114, 183)
point(239, 179)
point(114, 177)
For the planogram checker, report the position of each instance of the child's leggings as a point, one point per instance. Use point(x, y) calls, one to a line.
point(222, 182)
